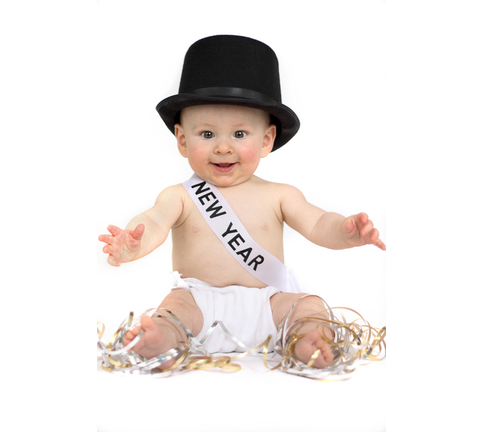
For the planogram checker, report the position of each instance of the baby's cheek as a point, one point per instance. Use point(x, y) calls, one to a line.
point(193, 150)
point(195, 154)
point(251, 154)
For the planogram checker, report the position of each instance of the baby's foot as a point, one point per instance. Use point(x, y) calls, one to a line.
point(157, 338)
point(311, 342)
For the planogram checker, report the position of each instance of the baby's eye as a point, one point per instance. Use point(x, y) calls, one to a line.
point(240, 134)
point(207, 134)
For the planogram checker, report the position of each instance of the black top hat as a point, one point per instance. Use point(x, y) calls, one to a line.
point(231, 70)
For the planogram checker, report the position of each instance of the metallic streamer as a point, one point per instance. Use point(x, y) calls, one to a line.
point(354, 343)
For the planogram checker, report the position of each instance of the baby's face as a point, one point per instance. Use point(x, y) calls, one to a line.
point(224, 143)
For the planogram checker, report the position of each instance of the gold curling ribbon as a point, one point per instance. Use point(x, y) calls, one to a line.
point(116, 363)
point(313, 358)
point(100, 333)
point(176, 363)
point(351, 343)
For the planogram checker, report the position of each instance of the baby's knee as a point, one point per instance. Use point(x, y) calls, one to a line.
point(183, 305)
point(298, 304)
point(310, 311)
point(284, 301)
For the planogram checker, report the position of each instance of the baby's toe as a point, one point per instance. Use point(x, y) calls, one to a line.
point(131, 334)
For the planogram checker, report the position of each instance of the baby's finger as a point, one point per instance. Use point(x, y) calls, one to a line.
point(138, 232)
point(362, 218)
point(366, 229)
point(105, 238)
point(108, 249)
point(350, 228)
point(380, 244)
point(373, 236)
point(375, 240)
point(112, 261)
point(114, 230)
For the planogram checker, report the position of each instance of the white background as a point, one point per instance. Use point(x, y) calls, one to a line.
point(52, 271)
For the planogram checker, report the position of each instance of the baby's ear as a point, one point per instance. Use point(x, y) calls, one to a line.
point(268, 140)
point(181, 138)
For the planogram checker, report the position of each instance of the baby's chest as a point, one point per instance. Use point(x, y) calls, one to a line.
point(260, 222)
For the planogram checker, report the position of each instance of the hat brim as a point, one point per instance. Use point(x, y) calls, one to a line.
point(288, 126)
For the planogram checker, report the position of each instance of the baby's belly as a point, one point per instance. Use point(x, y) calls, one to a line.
point(213, 265)
point(221, 272)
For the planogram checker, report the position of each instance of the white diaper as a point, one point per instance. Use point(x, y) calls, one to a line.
point(245, 312)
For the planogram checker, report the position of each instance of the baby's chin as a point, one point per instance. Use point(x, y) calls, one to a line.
point(221, 179)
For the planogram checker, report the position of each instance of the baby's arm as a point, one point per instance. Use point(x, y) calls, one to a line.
point(330, 230)
point(146, 231)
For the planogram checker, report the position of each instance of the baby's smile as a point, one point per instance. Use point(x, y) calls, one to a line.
point(224, 166)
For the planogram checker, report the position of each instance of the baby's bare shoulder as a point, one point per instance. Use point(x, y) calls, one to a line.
point(172, 193)
point(170, 204)
point(280, 190)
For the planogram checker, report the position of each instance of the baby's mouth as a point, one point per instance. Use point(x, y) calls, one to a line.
point(224, 166)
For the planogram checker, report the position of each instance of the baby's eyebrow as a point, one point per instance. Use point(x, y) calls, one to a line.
point(203, 126)
point(207, 125)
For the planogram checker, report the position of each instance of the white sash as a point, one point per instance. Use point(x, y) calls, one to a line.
point(228, 228)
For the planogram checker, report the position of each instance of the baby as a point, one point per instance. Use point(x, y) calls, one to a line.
point(227, 116)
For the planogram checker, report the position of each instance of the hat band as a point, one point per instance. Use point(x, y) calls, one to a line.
point(233, 92)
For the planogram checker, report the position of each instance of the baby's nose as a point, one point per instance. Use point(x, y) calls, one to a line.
point(223, 146)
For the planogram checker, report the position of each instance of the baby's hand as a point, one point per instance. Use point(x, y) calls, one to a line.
point(122, 245)
point(359, 231)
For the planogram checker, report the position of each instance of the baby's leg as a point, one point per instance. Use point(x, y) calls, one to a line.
point(161, 334)
point(312, 306)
